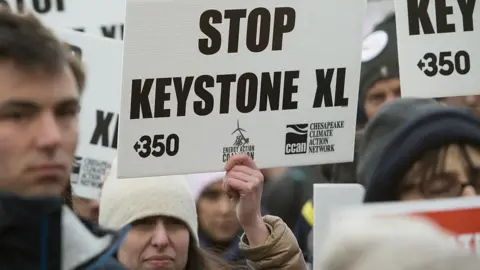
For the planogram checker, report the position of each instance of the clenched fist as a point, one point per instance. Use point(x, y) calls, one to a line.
point(244, 184)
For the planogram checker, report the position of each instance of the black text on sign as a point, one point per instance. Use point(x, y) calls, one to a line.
point(113, 31)
point(157, 145)
point(268, 91)
point(421, 21)
point(263, 92)
point(39, 6)
point(446, 63)
point(251, 92)
point(101, 134)
point(323, 95)
point(259, 31)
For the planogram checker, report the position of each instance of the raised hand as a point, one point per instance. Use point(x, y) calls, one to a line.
point(244, 184)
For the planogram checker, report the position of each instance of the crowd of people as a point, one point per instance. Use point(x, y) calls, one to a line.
point(241, 218)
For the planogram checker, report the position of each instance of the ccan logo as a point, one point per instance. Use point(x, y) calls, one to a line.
point(296, 139)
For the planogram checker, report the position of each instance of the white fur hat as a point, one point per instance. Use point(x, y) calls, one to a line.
point(198, 182)
point(124, 201)
point(393, 243)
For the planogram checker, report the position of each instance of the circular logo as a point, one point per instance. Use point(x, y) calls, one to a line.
point(374, 44)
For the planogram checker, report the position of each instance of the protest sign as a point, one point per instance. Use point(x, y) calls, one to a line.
point(99, 113)
point(459, 216)
point(327, 199)
point(202, 81)
point(96, 17)
point(437, 46)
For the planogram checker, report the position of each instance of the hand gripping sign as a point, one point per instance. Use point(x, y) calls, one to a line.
point(203, 81)
point(460, 217)
point(97, 17)
point(438, 47)
point(97, 145)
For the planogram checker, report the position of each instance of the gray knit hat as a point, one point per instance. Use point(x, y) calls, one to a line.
point(124, 201)
point(382, 128)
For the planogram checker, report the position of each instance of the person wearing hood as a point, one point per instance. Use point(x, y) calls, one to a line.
point(420, 149)
point(41, 83)
point(218, 227)
point(164, 221)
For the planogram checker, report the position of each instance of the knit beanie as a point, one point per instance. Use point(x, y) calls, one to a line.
point(382, 128)
point(400, 133)
point(200, 181)
point(379, 60)
point(126, 200)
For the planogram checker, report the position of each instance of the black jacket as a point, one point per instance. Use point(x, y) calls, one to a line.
point(287, 195)
point(41, 233)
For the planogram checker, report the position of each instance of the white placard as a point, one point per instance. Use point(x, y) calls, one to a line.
point(176, 117)
point(99, 113)
point(328, 199)
point(438, 47)
point(96, 17)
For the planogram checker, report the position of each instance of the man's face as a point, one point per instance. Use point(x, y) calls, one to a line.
point(38, 130)
point(380, 94)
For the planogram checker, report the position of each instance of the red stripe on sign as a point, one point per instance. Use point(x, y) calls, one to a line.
point(460, 221)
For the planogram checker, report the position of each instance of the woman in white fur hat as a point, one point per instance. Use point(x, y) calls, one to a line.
point(162, 214)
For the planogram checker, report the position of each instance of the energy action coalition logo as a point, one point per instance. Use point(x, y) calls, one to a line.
point(241, 145)
point(296, 139)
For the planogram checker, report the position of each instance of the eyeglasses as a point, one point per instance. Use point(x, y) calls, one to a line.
point(447, 184)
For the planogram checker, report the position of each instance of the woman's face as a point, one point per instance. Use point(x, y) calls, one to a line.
point(457, 173)
point(472, 102)
point(216, 214)
point(156, 243)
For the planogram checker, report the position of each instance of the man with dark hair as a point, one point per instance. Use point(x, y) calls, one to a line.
point(41, 82)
